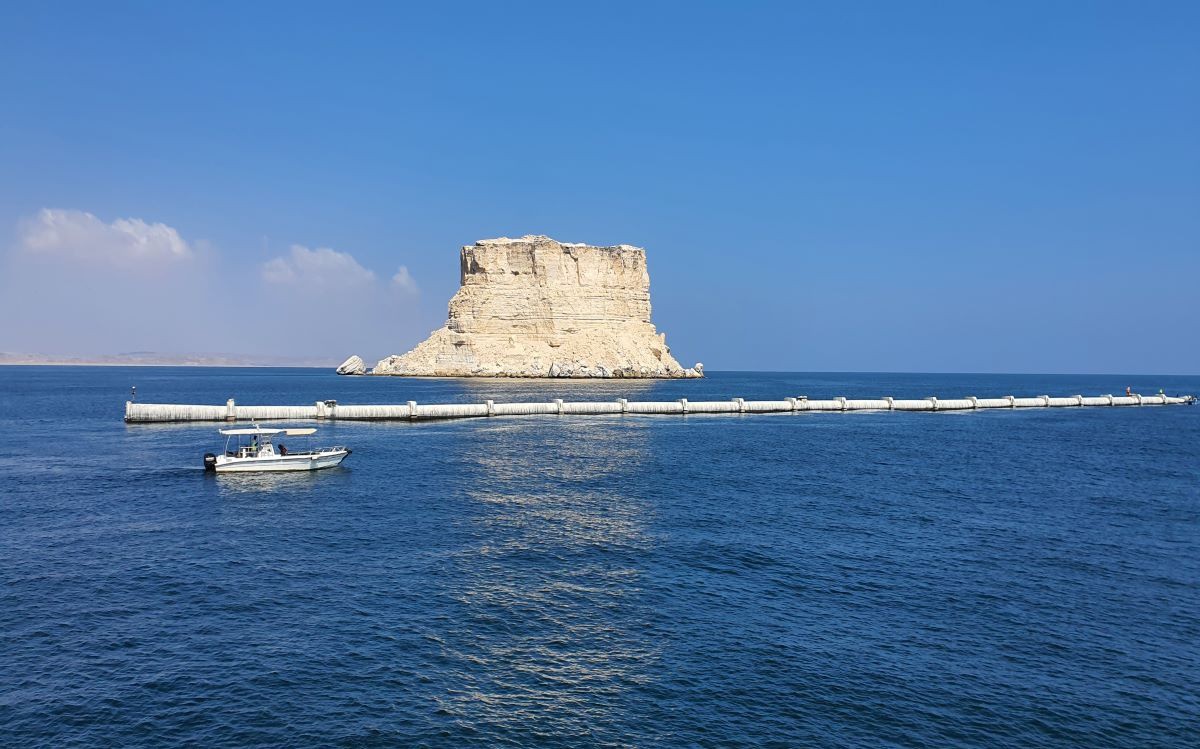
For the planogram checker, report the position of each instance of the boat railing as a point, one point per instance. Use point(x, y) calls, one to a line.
point(314, 451)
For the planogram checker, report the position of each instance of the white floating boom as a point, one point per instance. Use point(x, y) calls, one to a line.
point(162, 412)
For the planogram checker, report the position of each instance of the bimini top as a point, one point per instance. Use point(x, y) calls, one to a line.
point(264, 431)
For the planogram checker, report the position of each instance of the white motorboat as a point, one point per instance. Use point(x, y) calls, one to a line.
point(255, 449)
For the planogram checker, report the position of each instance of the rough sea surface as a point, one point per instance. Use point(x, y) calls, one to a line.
point(1004, 578)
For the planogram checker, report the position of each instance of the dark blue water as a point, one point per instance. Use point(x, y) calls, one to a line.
point(954, 579)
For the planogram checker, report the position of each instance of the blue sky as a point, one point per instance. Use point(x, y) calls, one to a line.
point(869, 186)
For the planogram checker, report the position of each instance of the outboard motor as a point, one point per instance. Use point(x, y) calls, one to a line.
point(210, 462)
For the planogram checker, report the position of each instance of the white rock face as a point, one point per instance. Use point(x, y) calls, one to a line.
point(534, 307)
point(352, 366)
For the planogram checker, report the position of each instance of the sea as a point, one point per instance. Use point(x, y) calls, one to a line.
point(955, 579)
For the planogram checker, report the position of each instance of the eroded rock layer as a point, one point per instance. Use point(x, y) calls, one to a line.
point(534, 307)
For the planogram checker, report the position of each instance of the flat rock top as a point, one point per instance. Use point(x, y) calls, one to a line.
point(543, 239)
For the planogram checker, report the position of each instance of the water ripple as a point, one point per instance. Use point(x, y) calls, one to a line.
point(1015, 579)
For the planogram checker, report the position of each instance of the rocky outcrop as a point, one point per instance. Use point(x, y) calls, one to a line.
point(534, 307)
point(353, 366)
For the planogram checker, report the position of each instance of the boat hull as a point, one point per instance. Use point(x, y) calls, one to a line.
point(279, 463)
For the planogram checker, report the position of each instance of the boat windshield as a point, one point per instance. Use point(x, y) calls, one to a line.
point(247, 446)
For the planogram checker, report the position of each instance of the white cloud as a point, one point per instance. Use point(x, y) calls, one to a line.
point(77, 235)
point(321, 268)
point(346, 307)
point(404, 282)
point(163, 294)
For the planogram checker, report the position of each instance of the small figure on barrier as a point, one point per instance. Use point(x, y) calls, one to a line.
point(1128, 391)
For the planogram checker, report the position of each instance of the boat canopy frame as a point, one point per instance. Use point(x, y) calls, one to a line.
point(262, 437)
point(264, 432)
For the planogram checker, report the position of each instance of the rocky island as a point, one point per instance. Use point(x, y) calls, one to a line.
point(535, 307)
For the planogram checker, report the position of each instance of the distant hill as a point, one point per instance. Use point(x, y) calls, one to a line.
point(157, 359)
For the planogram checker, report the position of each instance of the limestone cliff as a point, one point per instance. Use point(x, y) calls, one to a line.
point(352, 366)
point(534, 307)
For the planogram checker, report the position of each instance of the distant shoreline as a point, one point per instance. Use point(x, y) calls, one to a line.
point(159, 359)
point(241, 365)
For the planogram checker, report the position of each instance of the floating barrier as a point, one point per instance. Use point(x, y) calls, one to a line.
point(142, 413)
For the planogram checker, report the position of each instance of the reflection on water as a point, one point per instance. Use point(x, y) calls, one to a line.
point(233, 484)
point(585, 467)
point(564, 560)
point(585, 519)
point(476, 390)
point(581, 450)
